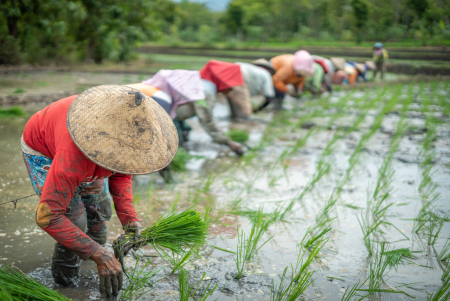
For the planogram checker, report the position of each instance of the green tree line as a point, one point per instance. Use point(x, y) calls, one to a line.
point(34, 31)
point(38, 31)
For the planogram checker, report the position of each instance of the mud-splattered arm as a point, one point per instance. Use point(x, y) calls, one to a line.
point(65, 175)
point(121, 190)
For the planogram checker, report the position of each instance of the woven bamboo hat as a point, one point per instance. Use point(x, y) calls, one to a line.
point(263, 63)
point(122, 130)
point(371, 65)
point(338, 62)
point(361, 68)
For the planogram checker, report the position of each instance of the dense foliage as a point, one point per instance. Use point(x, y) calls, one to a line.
point(39, 31)
point(34, 31)
point(425, 21)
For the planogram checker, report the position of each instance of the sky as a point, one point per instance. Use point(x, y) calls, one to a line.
point(214, 5)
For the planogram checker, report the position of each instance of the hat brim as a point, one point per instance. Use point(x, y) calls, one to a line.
point(338, 62)
point(361, 68)
point(371, 65)
point(122, 130)
point(263, 63)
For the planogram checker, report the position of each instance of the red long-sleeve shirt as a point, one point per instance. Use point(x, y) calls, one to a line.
point(47, 132)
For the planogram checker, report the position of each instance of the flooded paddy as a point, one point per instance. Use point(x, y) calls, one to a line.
point(342, 173)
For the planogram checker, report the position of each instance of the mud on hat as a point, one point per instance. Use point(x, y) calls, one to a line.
point(338, 62)
point(122, 130)
point(263, 63)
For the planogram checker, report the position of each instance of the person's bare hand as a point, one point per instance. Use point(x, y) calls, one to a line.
point(136, 228)
point(109, 271)
point(236, 147)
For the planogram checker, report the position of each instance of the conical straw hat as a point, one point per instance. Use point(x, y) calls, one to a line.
point(361, 68)
point(263, 63)
point(338, 62)
point(122, 130)
point(371, 65)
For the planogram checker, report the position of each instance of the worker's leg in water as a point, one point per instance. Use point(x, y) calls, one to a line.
point(183, 130)
point(378, 68)
point(279, 97)
point(267, 101)
point(383, 69)
point(65, 263)
point(240, 102)
point(204, 114)
point(97, 201)
point(327, 80)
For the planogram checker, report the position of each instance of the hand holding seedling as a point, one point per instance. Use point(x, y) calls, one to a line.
point(134, 227)
point(109, 271)
point(236, 147)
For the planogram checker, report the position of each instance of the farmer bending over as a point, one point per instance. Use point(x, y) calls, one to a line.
point(259, 81)
point(80, 151)
point(227, 79)
point(290, 69)
point(186, 95)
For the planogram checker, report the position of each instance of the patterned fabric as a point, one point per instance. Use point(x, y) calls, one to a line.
point(90, 200)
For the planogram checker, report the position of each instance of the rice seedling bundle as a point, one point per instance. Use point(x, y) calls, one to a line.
point(238, 135)
point(14, 285)
point(173, 230)
point(179, 161)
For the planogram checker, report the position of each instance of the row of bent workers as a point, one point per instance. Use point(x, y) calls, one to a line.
point(81, 151)
point(185, 94)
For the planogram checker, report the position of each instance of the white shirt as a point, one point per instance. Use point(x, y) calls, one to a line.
point(258, 80)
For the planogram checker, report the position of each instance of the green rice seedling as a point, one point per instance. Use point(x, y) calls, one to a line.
point(248, 157)
point(15, 285)
point(12, 112)
point(323, 220)
point(323, 167)
point(428, 224)
point(303, 261)
point(446, 273)
point(208, 183)
point(187, 291)
point(260, 226)
point(442, 294)
point(367, 229)
point(139, 281)
point(173, 230)
point(378, 269)
point(290, 290)
point(397, 256)
point(352, 293)
point(179, 261)
point(179, 161)
point(444, 255)
point(240, 136)
point(240, 254)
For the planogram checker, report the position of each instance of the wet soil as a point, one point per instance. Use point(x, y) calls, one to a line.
point(263, 181)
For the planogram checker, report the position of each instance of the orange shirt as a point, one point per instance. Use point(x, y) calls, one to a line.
point(285, 74)
point(144, 88)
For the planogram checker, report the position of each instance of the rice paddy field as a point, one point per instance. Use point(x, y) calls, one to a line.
point(342, 197)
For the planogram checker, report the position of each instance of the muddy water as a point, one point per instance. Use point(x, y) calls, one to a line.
point(344, 257)
point(47, 82)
